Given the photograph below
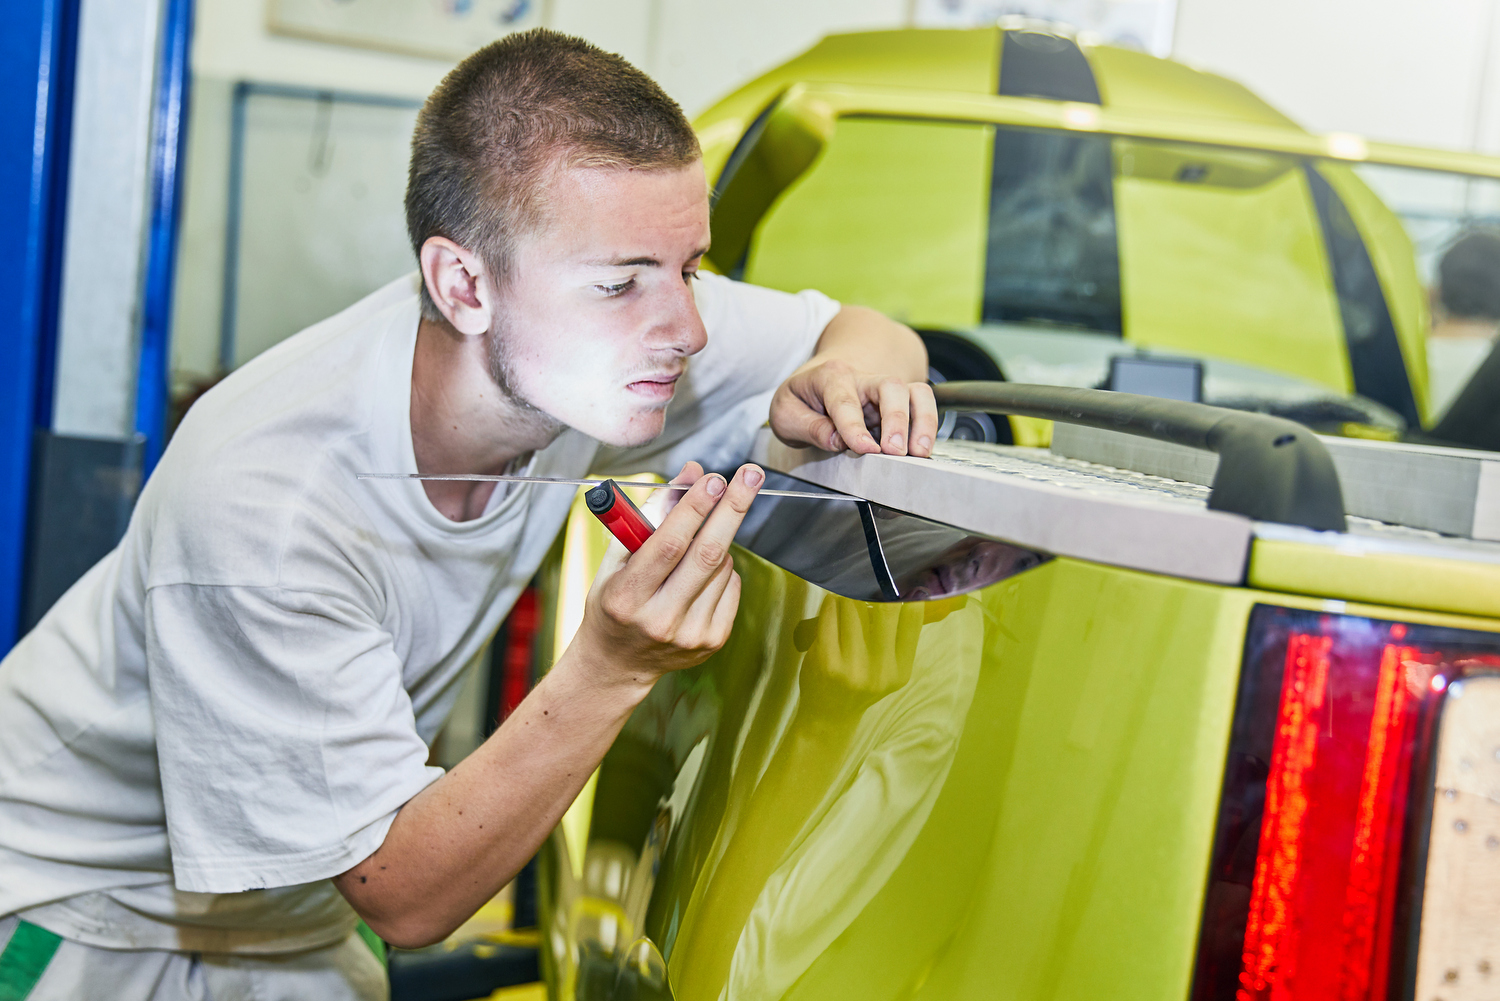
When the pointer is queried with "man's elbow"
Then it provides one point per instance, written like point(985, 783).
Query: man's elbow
point(403, 923)
point(407, 932)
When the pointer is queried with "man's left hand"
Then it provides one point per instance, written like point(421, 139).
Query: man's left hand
point(872, 405)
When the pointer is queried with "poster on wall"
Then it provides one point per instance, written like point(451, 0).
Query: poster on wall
point(1137, 24)
point(441, 29)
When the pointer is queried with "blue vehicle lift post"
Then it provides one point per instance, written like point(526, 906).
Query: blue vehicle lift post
point(37, 49)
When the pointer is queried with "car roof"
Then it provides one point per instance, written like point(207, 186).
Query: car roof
point(967, 61)
point(1140, 95)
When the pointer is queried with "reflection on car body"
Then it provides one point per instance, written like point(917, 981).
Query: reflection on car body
point(857, 720)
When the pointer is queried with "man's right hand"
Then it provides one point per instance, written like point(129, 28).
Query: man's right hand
point(672, 603)
point(668, 606)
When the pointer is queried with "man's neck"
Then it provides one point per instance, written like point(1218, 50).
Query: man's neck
point(461, 421)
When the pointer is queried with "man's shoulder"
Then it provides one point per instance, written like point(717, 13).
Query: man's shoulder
point(237, 516)
point(258, 462)
point(321, 380)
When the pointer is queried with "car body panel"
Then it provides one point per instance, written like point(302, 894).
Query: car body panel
point(1013, 791)
point(1006, 793)
point(1197, 263)
point(860, 195)
point(959, 60)
point(1136, 81)
point(1356, 569)
point(1030, 778)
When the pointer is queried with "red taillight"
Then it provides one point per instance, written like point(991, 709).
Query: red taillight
point(1334, 718)
point(515, 671)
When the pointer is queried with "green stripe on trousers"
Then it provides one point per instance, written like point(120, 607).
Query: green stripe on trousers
point(25, 959)
point(377, 946)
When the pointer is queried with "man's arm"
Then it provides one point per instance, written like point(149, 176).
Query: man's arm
point(669, 606)
point(867, 374)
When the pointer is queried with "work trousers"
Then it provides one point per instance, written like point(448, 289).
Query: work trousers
point(36, 965)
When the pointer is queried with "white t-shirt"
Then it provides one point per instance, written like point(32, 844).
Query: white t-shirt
point(230, 708)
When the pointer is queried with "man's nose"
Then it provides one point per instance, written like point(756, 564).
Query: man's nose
point(680, 329)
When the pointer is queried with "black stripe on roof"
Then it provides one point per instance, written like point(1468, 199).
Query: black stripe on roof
point(1041, 64)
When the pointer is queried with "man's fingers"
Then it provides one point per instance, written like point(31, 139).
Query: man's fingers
point(654, 562)
point(724, 611)
point(708, 551)
point(895, 415)
point(697, 624)
point(924, 420)
point(691, 473)
point(796, 423)
point(842, 400)
point(822, 433)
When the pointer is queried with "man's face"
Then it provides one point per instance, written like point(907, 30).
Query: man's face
point(597, 322)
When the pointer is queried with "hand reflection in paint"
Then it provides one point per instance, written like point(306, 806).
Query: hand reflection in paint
point(849, 785)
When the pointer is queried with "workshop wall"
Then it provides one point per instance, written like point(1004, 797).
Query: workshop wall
point(1370, 66)
point(1423, 74)
point(292, 269)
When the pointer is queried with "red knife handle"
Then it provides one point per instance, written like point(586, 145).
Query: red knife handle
point(624, 520)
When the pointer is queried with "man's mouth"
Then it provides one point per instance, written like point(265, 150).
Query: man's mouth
point(655, 387)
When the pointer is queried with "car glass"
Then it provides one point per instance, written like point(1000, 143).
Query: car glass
point(1223, 256)
point(1369, 332)
point(1051, 253)
point(1440, 271)
point(825, 543)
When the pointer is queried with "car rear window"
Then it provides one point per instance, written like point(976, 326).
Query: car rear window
point(1051, 252)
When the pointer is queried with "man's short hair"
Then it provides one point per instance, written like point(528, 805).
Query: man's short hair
point(1469, 275)
point(489, 137)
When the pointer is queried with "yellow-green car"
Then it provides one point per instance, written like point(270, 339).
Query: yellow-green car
point(1103, 720)
point(1115, 718)
point(1054, 204)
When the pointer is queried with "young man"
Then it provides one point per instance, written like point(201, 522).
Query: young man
point(213, 750)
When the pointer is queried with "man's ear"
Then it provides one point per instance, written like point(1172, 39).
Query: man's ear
point(457, 282)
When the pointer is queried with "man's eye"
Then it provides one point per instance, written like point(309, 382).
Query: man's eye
point(690, 276)
point(614, 290)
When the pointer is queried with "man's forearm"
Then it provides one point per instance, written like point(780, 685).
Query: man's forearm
point(666, 608)
point(463, 837)
point(870, 340)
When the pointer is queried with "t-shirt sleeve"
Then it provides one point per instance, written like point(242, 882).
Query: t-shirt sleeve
point(757, 337)
point(285, 739)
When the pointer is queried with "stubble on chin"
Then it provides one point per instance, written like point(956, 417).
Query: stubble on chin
point(502, 373)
